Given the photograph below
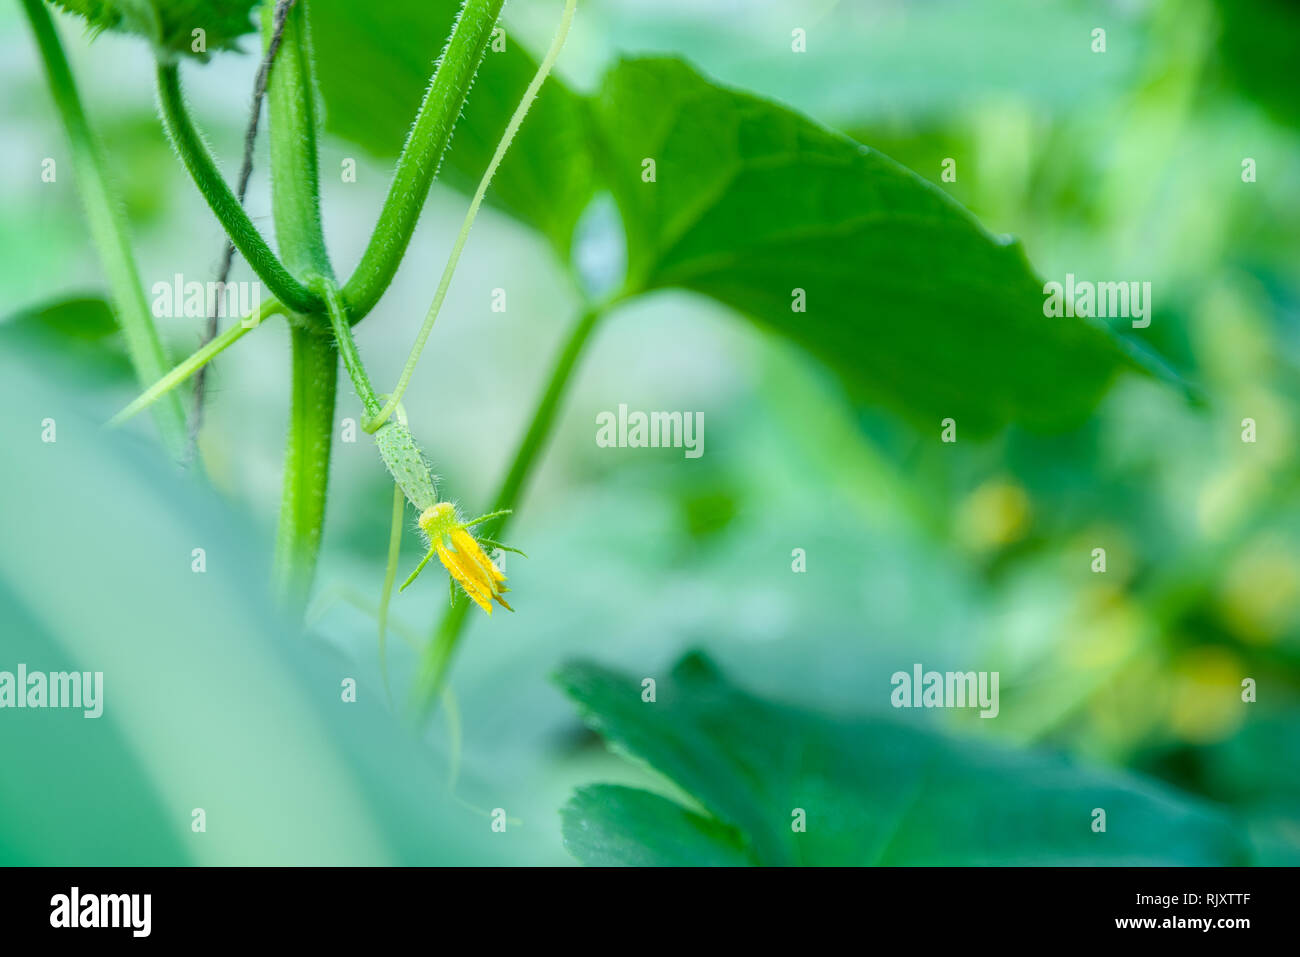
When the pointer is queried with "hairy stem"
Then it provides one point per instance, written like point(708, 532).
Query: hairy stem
point(421, 155)
point(295, 166)
point(108, 227)
point(512, 127)
point(433, 671)
point(194, 154)
point(295, 205)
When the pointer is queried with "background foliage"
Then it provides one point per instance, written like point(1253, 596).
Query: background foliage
point(1119, 690)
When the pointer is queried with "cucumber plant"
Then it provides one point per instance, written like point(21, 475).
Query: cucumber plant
point(817, 239)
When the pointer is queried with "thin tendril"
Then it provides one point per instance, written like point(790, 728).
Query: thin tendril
point(390, 575)
point(245, 173)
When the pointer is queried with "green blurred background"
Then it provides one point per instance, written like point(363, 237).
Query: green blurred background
point(1125, 164)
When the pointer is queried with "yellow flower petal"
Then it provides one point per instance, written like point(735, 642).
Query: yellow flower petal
point(464, 542)
point(469, 576)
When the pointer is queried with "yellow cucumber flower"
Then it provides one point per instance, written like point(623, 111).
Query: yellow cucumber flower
point(462, 555)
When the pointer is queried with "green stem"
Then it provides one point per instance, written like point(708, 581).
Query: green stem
point(347, 347)
point(196, 361)
point(295, 205)
point(194, 154)
point(295, 164)
point(438, 658)
point(516, 120)
point(539, 429)
point(422, 154)
point(108, 227)
point(306, 466)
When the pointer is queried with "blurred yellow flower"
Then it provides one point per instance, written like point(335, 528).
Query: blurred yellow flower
point(1106, 628)
point(994, 515)
point(1260, 592)
point(1205, 704)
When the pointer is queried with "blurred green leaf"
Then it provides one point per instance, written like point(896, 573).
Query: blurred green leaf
point(1260, 764)
point(170, 24)
point(1257, 770)
point(874, 791)
point(78, 334)
point(374, 66)
point(608, 825)
point(1257, 48)
point(80, 318)
point(211, 698)
point(52, 823)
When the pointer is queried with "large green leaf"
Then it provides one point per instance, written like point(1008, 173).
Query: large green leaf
point(374, 66)
point(907, 297)
point(909, 300)
point(874, 791)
